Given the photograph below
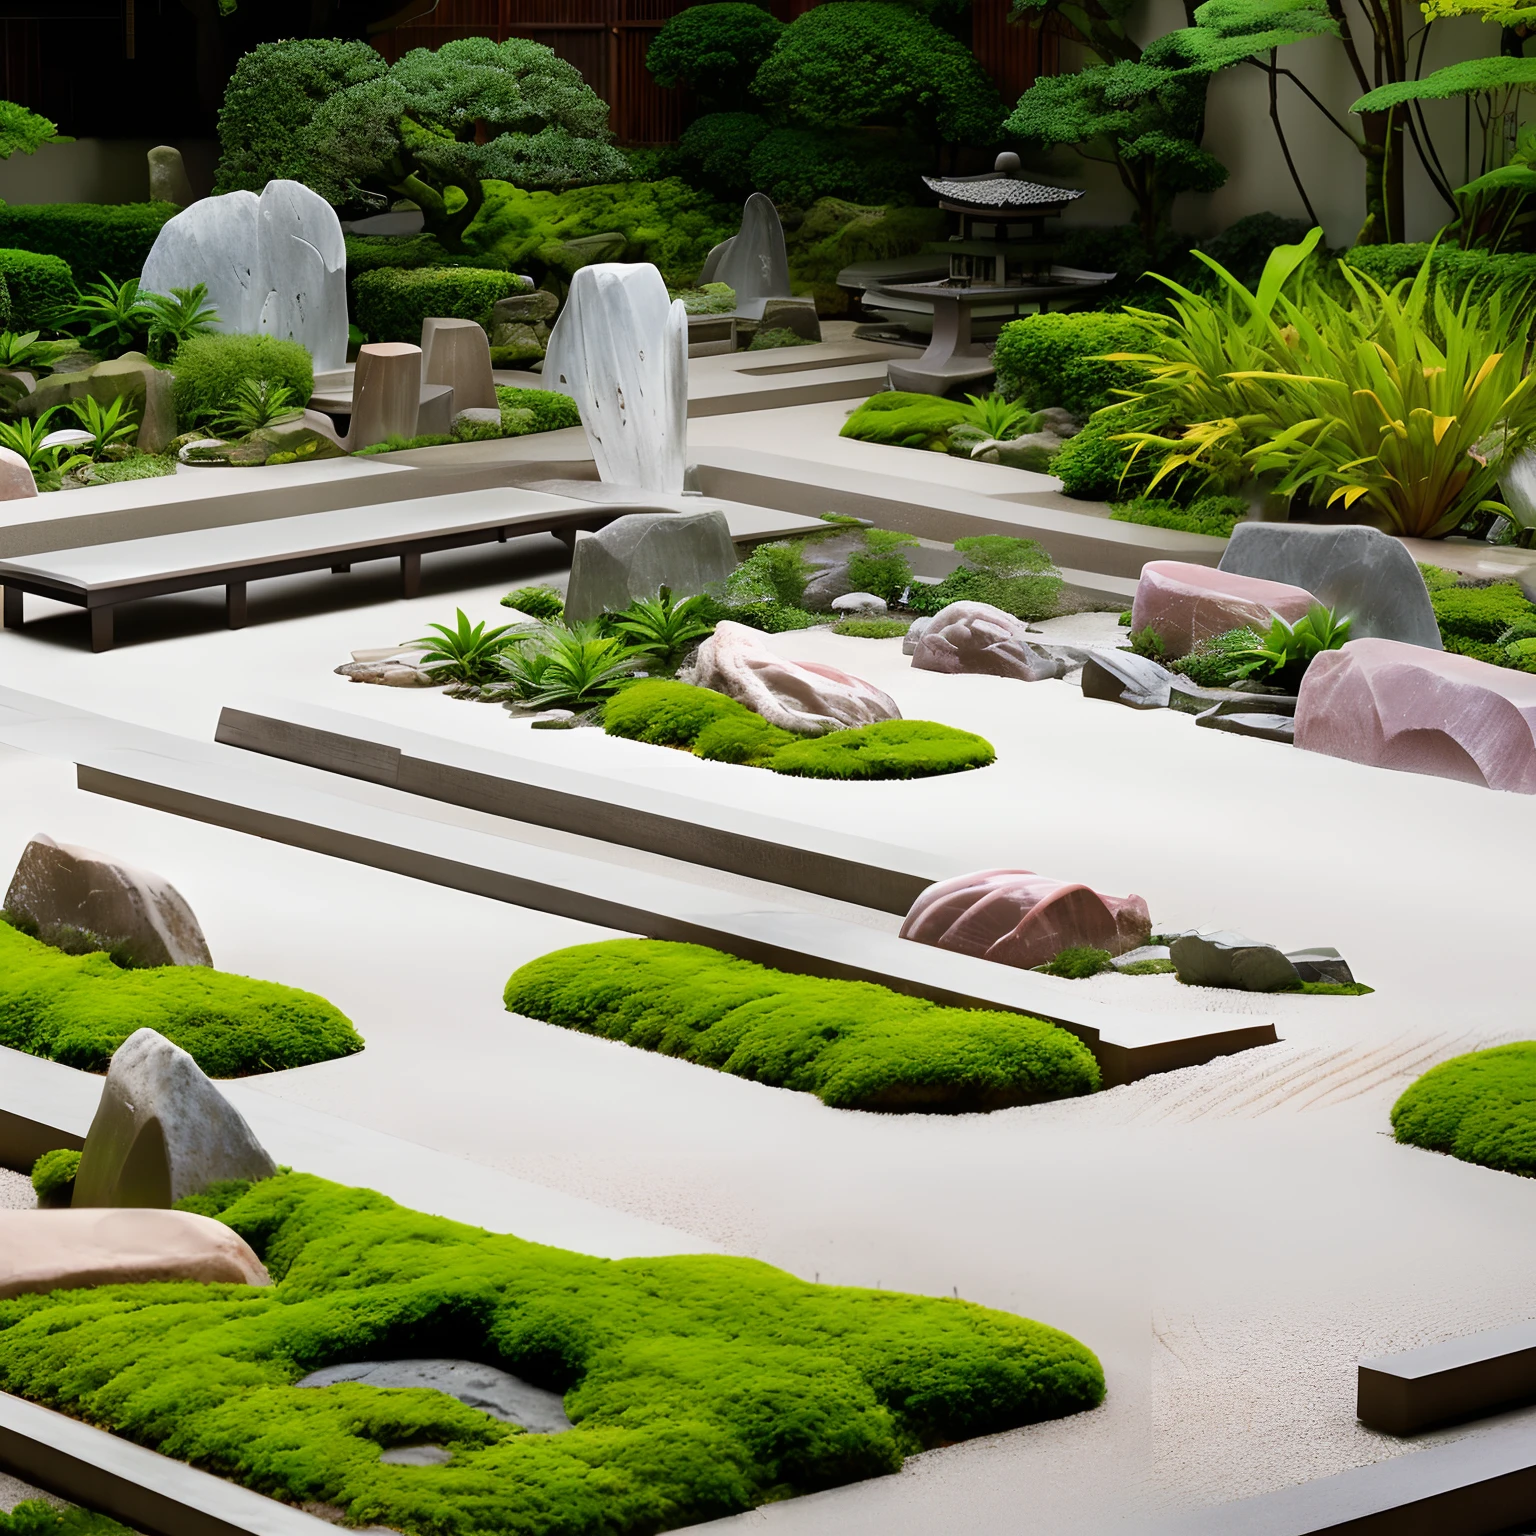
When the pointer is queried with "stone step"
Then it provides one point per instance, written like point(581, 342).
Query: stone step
point(1443, 1383)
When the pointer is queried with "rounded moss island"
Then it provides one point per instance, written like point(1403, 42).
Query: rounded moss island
point(1480, 1107)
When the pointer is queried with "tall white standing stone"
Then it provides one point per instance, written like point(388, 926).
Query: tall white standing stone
point(274, 264)
point(620, 350)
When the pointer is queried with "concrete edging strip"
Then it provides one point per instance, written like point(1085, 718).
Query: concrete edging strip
point(1442, 1383)
point(141, 1487)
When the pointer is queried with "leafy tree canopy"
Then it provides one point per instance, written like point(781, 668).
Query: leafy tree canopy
point(714, 50)
point(1228, 31)
point(1465, 79)
point(868, 61)
point(24, 133)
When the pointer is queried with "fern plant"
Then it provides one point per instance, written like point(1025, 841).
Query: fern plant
point(466, 653)
point(555, 667)
point(254, 404)
point(23, 350)
point(109, 424)
point(116, 314)
point(662, 630)
point(176, 317)
point(25, 437)
point(1284, 655)
point(996, 417)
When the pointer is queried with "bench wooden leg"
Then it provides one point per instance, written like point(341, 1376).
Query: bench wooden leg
point(12, 608)
point(410, 574)
point(567, 536)
point(101, 629)
point(234, 604)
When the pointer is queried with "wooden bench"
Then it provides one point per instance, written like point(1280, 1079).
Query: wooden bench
point(99, 577)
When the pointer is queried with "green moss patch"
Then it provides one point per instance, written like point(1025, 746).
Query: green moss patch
point(903, 420)
point(871, 629)
point(854, 1044)
point(53, 1176)
point(889, 749)
point(1480, 1107)
point(698, 1386)
point(36, 1517)
point(1213, 515)
point(79, 1009)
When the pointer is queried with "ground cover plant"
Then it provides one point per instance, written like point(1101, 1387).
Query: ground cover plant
point(1480, 1107)
point(211, 369)
point(1016, 575)
point(36, 1517)
point(1213, 515)
point(78, 1009)
point(854, 1044)
point(698, 1386)
point(871, 629)
point(1493, 623)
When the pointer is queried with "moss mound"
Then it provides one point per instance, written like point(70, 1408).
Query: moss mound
point(903, 420)
point(853, 1044)
point(889, 749)
point(79, 1009)
point(699, 1386)
point(35, 1517)
point(1480, 1107)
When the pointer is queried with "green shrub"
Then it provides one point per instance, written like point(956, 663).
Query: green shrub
point(1094, 467)
point(1213, 515)
point(552, 411)
point(53, 1176)
point(881, 567)
point(392, 302)
point(699, 1386)
point(210, 369)
point(1217, 660)
point(1054, 359)
point(714, 150)
point(1016, 575)
point(871, 629)
point(798, 166)
point(5, 306)
point(92, 239)
point(1479, 614)
point(39, 286)
point(1480, 1107)
point(1454, 269)
point(835, 234)
point(902, 420)
point(714, 50)
point(78, 1010)
point(36, 1517)
point(854, 1044)
point(1078, 963)
point(772, 573)
point(889, 749)
point(542, 603)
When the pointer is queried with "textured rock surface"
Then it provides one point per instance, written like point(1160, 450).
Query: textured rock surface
point(620, 350)
point(162, 1131)
point(386, 393)
point(828, 559)
point(1268, 726)
point(1020, 918)
point(132, 377)
point(1126, 678)
point(1184, 604)
point(858, 602)
point(275, 264)
point(493, 1391)
point(1420, 711)
point(44, 1251)
point(16, 479)
point(168, 180)
point(1358, 571)
point(1032, 451)
point(1222, 959)
point(806, 697)
point(753, 261)
point(525, 308)
point(798, 316)
point(1321, 964)
point(58, 885)
point(976, 637)
point(638, 555)
point(457, 353)
point(915, 632)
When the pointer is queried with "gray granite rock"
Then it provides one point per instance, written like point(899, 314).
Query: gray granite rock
point(62, 886)
point(1032, 451)
point(526, 308)
point(132, 377)
point(858, 602)
point(1191, 699)
point(978, 638)
point(493, 1391)
point(1222, 959)
point(753, 262)
point(1322, 964)
point(416, 1456)
point(828, 559)
point(477, 416)
point(798, 316)
point(1126, 678)
point(1353, 569)
point(1269, 727)
point(168, 180)
point(638, 555)
point(162, 1131)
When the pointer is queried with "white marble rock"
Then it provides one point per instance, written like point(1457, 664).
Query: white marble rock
point(620, 351)
point(753, 262)
point(274, 264)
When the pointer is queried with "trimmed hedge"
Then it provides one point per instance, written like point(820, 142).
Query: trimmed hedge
point(551, 410)
point(854, 1044)
point(209, 368)
point(391, 302)
point(1480, 1108)
point(1453, 268)
point(699, 1386)
point(79, 1009)
point(38, 285)
point(1213, 515)
point(666, 713)
point(1094, 467)
point(1054, 359)
point(90, 238)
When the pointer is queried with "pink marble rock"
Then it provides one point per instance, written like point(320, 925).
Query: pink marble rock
point(16, 479)
point(802, 696)
point(66, 1250)
point(1185, 604)
point(1402, 706)
point(1020, 918)
point(976, 637)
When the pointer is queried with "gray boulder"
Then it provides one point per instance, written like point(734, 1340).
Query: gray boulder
point(60, 887)
point(1123, 677)
point(915, 632)
point(1267, 727)
point(168, 181)
point(753, 262)
point(1221, 959)
point(162, 1131)
point(496, 1392)
point(976, 637)
point(865, 603)
point(798, 316)
point(1356, 570)
point(1322, 964)
point(525, 308)
point(638, 555)
point(1032, 451)
point(828, 559)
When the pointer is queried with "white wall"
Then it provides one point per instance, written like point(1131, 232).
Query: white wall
point(98, 171)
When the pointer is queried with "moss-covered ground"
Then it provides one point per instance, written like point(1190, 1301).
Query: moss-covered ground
point(1480, 1107)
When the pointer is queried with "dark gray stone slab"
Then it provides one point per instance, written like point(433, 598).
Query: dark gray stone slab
point(1221, 959)
point(1126, 678)
point(1443, 1383)
point(493, 1391)
point(637, 555)
point(1321, 964)
point(1267, 727)
point(1191, 699)
point(1354, 569)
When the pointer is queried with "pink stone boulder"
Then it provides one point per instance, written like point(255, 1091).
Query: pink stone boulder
point(67, 1250)
point(976, 637)
point(802, 696)
point(1020, 918)
point(1402, 706)
point(16, 479)
point(1185, 604)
